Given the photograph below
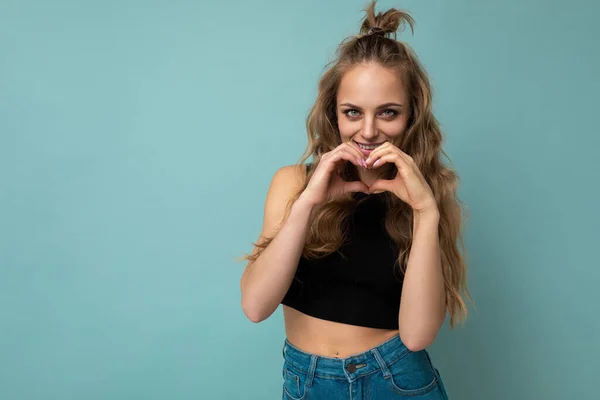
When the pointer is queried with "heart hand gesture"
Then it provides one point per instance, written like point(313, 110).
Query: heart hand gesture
point(409, 184)
point(326, 184)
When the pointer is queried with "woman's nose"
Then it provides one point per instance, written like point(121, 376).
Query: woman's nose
point(369, 129)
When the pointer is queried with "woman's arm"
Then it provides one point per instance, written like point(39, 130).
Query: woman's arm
point(265, 281)
point(423, 300)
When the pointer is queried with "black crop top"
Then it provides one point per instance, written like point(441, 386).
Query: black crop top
point(364, 288)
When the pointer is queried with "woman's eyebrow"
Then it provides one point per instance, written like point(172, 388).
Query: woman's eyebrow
point(379, 107)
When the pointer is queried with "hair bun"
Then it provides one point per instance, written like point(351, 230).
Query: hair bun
point(376, 31)
point(384, 24)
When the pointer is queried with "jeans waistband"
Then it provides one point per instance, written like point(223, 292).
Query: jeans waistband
point(351, 367)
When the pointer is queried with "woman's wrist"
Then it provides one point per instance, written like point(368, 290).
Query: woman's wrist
point(305, 204)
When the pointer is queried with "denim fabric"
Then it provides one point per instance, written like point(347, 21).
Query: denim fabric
point(387, 371)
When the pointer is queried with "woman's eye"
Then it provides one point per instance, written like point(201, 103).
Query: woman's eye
point(386, 113)
point(389, 113)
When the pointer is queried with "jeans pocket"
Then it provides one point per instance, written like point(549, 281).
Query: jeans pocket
point(412, 375)
point(294, 383)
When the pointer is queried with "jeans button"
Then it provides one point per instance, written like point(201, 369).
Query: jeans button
point(351, 368)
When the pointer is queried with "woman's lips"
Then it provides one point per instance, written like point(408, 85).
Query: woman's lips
point(364, 151)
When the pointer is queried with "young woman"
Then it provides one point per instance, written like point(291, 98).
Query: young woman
point(360, 246)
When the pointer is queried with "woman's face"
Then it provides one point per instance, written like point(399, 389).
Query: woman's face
point(372, 105)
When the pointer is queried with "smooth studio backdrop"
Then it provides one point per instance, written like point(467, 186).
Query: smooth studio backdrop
point(137, 143)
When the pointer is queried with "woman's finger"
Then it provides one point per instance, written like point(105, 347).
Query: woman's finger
point(356, 149)
point(335, 156)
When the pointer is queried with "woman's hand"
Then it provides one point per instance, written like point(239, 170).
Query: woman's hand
point(408, 185)
point(326, 184)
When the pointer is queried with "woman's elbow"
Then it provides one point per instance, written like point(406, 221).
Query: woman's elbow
point(253, 313)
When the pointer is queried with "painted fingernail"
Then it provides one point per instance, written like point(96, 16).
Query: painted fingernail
point(376, 162)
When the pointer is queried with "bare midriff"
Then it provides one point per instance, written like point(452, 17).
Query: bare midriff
point(328, 338)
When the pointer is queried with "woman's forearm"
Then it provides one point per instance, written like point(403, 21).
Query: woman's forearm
point(268, 278)
point(422, 304)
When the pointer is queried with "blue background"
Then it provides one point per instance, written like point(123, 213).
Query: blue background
point(137, 143)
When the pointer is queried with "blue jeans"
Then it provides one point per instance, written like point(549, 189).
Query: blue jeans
point(387, 371)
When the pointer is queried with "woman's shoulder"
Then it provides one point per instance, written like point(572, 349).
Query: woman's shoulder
point(295, 172)
point(286, 182)
point(288, 179)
